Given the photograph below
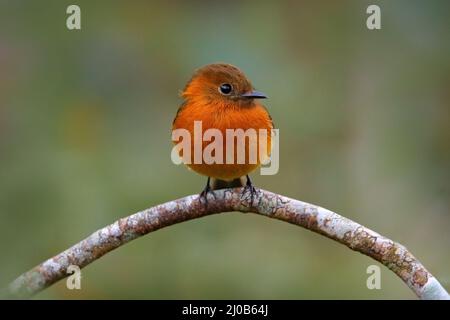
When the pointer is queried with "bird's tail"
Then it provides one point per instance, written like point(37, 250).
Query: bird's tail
point(222, 184)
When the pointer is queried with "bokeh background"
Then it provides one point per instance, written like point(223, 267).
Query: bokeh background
point(85, 120)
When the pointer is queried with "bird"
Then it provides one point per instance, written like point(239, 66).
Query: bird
point(222, 97)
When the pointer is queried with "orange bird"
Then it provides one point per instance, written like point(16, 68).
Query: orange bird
point(221, 97)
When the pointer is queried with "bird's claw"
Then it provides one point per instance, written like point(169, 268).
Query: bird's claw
point(251, 189)
point(204, 194)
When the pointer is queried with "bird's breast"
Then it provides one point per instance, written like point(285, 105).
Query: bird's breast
point(198, 120)
point(223, 117)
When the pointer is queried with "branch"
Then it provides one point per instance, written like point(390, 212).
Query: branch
point(317, 219)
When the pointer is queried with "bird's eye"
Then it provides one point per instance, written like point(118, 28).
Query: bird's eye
point(225, 88)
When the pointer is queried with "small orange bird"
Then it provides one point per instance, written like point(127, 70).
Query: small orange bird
point(221, 97)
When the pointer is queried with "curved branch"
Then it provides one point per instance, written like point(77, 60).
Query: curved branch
point(317, 219)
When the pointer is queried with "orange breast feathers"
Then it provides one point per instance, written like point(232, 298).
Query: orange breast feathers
point(223, 115)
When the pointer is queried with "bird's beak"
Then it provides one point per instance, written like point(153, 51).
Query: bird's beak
point(254, 95)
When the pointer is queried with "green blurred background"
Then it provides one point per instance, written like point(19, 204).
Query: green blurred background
point(85, 119)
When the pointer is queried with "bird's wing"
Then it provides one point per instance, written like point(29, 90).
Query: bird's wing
point(182, 106)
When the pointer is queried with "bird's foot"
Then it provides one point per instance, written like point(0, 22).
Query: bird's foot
point(204, 193)
point(249, 188)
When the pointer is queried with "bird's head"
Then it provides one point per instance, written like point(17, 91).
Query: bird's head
point(222, 83)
